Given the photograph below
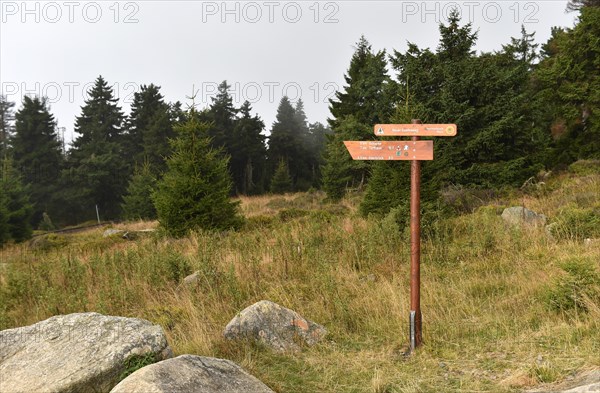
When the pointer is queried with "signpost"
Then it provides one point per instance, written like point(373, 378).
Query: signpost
point(414, 151)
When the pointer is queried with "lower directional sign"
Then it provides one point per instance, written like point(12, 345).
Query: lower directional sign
point(390, 150)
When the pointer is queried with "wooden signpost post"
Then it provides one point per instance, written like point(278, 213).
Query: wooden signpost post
point(414, 151)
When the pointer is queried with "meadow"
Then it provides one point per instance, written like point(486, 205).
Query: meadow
point(505, 308)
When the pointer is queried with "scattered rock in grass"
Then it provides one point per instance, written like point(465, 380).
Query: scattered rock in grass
point(275, 326)
point(134, 235)
point(590, 243)
point(520, 215)
point(191, 374)
point(85, 352)
point(112, 232)
point(191, 280)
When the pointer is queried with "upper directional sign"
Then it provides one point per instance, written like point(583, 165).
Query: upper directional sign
point(390, 150)
point(415, 129)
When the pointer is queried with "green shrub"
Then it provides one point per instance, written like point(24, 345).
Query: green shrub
point(259, 222)
point(576, 223)
point(290, 214)
point(579, 284)
point(465, 200)
point(135, 362)
point(47, 242)
point(433, 217)
point(321, 215)
point(585, 167)
point(178, 267)
point(167, 317)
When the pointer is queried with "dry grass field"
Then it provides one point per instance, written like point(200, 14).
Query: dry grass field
point(504, 308)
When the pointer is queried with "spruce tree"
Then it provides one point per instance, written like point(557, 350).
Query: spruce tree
point(315, 145)
point(16, 199)
point(289, 142)
point(4, 230)
point(222, 113)
point(368, 92)
point(366, 99)
point(337, 170)
point(565, 86)
point(248, 147)
point(156, 139)
point(6, 125)
point(37, 154)
point(98, 167)
point(281, 182)
point(137, 203)
point(149, 126)
point(194, 192)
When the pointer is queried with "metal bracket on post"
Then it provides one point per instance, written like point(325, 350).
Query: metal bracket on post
point(413, 333)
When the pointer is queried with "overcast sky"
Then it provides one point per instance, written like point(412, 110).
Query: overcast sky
point(264, 49)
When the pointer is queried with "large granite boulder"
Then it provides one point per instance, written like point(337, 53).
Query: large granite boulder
point(517, 215)
point(191, 374)
point(80, 353)
point(275, 326)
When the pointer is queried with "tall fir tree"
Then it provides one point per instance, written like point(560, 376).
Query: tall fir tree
point(98, 167)
point(149, 127)
point(37, 154)
point(137, 202)
point(485, 95)
point(368, 92)
point(7, 118)
point(565, 90)
point(315, 145)
point(222, 113)
point(288, 142)
point(4, 230)
point(194, 193)
point(366, 99)
point(248, 160)
point(17, 206)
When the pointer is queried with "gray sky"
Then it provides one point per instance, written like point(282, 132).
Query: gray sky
point(265, 49)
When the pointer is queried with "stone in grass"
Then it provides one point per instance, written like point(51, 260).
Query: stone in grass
point(520, 215)
point(275, 326)
point(112, 232)
point(191, 280)
point(85, 352)
point(191, 374)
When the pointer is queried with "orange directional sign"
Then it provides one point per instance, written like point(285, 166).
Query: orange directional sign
point(390, 150)
point(415, 129)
